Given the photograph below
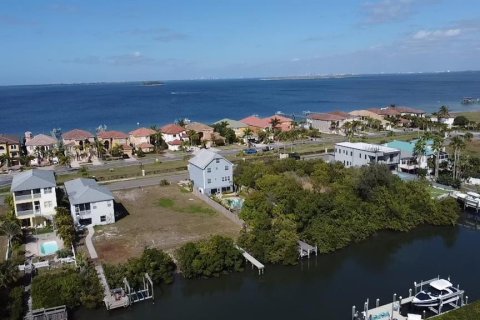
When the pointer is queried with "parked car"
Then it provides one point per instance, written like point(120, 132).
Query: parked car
point(294, 155)
point(250, 151)
point(267, 148)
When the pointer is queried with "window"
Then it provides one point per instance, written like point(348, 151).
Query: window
point(103, 218)
point(351, 153)
point(360, 155)
point(365, 157)
point(228, 178)
point(226, 167)
point(109, 204)
point(47, 190)
point(223, 178)
point(209, 180)
point(217, 160)
point(94, 206)
point(47, 204)
point(209, 169)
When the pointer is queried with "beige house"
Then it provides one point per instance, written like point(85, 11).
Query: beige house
point(327, 122)
point(142, 138)
point(173, 135)
point(10, 146)
point(205, 132)
point(365, 115)
point(76, 142)
point(112, 138)
point(237, 126)
point(40, 146)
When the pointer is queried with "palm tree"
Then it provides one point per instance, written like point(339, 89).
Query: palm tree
point(11, 229)
point(193, 136)
point(247, 133)
point(437, 147)
point(443, 113)
point(347, 129)
point(420, 149)
point(274, 123)
point(157, 138)
point(457, 143)
point(8, 274)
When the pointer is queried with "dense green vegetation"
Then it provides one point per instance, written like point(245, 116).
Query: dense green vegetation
point(68, 286)
point(64, 225)
point(328, 205)
point(209, 258)
point(469, 312)
point(156, 263)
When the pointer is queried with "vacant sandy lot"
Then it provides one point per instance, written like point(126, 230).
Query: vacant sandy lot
point(160, 216)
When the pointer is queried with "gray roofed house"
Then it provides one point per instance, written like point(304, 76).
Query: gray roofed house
point(234, 124)
point(83, 190)
point(211, 172)
point(90, 204)
point(33, 179)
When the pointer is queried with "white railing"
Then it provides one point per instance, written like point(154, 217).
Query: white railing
point(23, 197)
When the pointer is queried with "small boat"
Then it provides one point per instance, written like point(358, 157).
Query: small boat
point(433, 294)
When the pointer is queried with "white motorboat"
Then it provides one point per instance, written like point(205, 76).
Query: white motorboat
point(437, 291)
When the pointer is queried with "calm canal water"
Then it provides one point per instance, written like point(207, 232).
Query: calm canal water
point(325, 287)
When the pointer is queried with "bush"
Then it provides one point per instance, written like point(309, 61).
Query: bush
point(447, 180)
point(68, 287)
point(164, 182)
point(460, 121)
point(209, 258)
point(63, 253)
point(156, 263)
point(16, 305)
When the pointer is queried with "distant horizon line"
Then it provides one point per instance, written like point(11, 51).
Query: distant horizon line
point(290, 77)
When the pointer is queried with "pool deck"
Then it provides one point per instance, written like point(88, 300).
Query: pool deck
point(34, 242)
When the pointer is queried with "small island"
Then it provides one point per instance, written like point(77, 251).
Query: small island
point(152, 83)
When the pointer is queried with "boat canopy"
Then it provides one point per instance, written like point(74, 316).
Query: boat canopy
point(473, 194)
point(412, 316)
point(440, 284)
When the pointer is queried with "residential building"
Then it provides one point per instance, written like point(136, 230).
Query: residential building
point(174, 135)
point(10, 148)
point(34, 197)
point(255, 123)
point(407, 111)
point(90, 203)
point(113, 138)
point(141, 138)
point(368, 117)
point(327, 122)
point(410, 162)
point(355, 154)
point(447, 120)
point(285, 123)
point(237, 126)
point(77, 142)
point(210, 172)
point(40, 146)
point(205, 132)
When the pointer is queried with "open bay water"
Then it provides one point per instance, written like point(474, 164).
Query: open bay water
point(121, 106)
point(324, 287)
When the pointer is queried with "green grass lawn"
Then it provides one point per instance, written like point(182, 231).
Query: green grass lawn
point(469, 312)
point(437, 192)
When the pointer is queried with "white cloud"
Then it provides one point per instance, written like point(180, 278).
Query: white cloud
point(385, 11)
point(430, 35)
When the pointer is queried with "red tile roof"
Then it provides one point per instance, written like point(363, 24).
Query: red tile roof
point(112, 135)
point(325, 117)
point(256, 122)
point(385, 112)
point(341, 114)
point(172, 129)
point(77, 134)
point(403, 109)
point(145, 145)
point(198, 127)
point(127, 147)
point(279, 117)
point(10, 139)
point(41, 140)
point(175, 142)
point(142, 132)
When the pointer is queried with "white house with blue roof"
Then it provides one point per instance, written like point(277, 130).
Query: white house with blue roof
point(34, 197)
point(90, 203)
point(409, 161)
point(210, 172)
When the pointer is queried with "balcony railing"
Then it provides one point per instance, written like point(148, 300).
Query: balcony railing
point(23, 197)
point(22, 213)
point(83, 213)
point(37, 195)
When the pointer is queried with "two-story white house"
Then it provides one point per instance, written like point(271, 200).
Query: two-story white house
point(90, 204)
point(174, 135)
point(357, 154)
point(210, 172)
point(34, 197)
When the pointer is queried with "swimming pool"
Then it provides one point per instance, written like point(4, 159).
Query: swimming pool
point(49, 247)
point(235, 202)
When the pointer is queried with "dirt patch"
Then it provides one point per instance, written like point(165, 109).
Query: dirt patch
point(159, 216)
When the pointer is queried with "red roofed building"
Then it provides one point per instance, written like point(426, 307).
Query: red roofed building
point(141, 138)
point(285, 124)
point(111, 138)
point(10, 146)
point(77, 137)
point(173, 135)
point(255, 123)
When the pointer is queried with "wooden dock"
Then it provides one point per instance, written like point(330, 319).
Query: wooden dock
point(304, 249)
point(469, 199)
point(124, 297)
point(248, 257)
point(56, 313)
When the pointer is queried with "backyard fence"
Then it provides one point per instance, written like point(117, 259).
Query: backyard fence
point(230, 215)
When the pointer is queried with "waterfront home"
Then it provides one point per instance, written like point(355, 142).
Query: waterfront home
point(255, 123)
point(448, 121)
point(10, 148)
point(40, 146)
point(409, 162)
point(174, 135)
point(327, 122)
point(112, 138)
point(368, 118)
point(34, 197)
point(141, 138)
point(77, 142)
point(284, 123)
point(357, 154)
point(90, 203)
point(210, 172)
point(204, 132)
point(407, 111)
point(237, 126)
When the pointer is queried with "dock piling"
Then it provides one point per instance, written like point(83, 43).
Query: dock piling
point(377, 303)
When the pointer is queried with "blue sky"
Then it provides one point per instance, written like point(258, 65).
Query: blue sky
point(91, 41)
